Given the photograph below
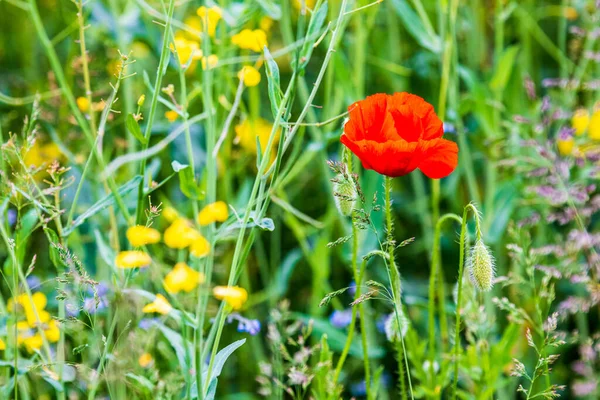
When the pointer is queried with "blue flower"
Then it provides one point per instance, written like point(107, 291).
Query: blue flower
point(341, 319)
point(251, 326)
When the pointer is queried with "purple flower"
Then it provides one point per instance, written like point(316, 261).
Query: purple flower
point(146, 323)
point(12, 216)
point(251, 326)
point(34, 282)
point(341, 319)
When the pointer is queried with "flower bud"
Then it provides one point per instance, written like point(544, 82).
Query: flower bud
point(393, 332)
point(480, 265)
point(344, 192)
point(141, 100)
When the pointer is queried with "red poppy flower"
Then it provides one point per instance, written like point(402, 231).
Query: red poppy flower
point(396, 134)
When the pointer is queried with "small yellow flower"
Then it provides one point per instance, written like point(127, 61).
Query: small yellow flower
point(570, 13)
point(83, 103)
point(182, 278)
point(180, 234)
point(186, 50)
point(2, 344)
point(309, 4)
point(145, 360)
point(565, 146)
point(99, 106)
point(170, 214)
point(140, 235)
point(265, 23)
point(594, 128)
point(33, 342)
point(52, 332)
point(212, 61)
point(200, 247)
point(250, 75)
point(212, 213)
point(42, 154)
point(33, 308)
point(580, 121)
point(160, 305)
point(171, 115)
point(247, 131)
point(212, 15)
point(249, 39)
point(132, 259)
point(235, 296)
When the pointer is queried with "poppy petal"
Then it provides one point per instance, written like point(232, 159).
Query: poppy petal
point(396, 158)
point(440, 158)
point(433, 127)
point(369, 119)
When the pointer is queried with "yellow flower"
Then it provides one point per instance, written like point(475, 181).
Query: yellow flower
point(186, 50)
point(212, 60)
point(182, 277)
point(52, 332)
point(83, 103)
point(570, 13)
point(249, 39)
point(160, 305)
point(140, 235)
point(33, 308)
point(250, 75)
point(247, 131)
point(145, 360)
point(42, 154)
point(265, 23)
point(2, 344)
point(194, 23)
point(212, 15)
point(200, 247)
point(132, 259)
point(171, 115)
point(565, 146)
point(170, 214)
point(32, 343)
point(580, 121)
point(309, 4)
point(180, 234)
point(212, 213)
point(235, 296)
point(594, 128)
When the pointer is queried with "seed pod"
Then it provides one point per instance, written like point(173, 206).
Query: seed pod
point(345, 194)
point(393, 332)
point(480, 265)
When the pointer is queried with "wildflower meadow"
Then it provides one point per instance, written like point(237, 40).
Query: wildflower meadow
point(299, 199)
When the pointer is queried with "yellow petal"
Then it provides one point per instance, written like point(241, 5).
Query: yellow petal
point(580, 121)
point(212, 213)
point(160, 305)
point(145, 360)
point(250, 75)
point(132, 259)
point(140, 235)
point(235, 296)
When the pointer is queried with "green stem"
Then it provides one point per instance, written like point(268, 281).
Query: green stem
point(463, 243)
point(435, 261)
point(164, 54)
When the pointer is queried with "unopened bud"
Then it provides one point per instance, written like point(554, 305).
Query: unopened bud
point(344, 193)
point(394, 331)
point(141, 100)
point(480, 265)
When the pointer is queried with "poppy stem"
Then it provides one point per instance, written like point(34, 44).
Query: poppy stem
point(394, 275)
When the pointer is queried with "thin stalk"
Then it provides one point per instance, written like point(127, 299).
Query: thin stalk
point(463, 243)
point(164, 54)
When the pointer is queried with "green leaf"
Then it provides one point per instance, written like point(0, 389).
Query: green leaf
point(134, 128)
point(187, 183)
point(415, 27)
point(181, 346)
point(103, 203)
point(219, 362)
point(140, 383)
point(504, 68)
point(274, 82)
point(312, 34)
point(272, 9)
